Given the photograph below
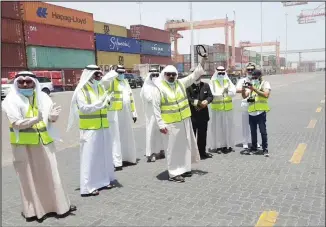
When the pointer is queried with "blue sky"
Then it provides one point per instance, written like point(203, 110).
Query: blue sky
point(300, 36)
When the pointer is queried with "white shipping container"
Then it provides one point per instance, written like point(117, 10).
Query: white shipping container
point(265, 58)
point(186, 58)
point(246, 53)
point(252, 54)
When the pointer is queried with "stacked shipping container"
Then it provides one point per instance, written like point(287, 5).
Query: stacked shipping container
point(13, 54)
point(155, 44)
point(113, 47)
point(60, 40)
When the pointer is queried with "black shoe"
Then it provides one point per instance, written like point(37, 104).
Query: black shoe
point(162, 154)
point(251, 151)
point(151, 158)
point(205, 156)
point(178, 179)
point(231, 149)
point(265, 152)
point(224, 150)
point(187, 174)
point(118, 168)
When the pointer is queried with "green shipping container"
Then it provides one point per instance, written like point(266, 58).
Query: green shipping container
point(58, 58)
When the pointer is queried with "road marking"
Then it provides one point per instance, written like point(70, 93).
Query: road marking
point(267, 218)
point(322, 101)
point(312, 123)
point(318, 110)
point(298, 153)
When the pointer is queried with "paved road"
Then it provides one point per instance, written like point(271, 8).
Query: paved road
point(228, 190)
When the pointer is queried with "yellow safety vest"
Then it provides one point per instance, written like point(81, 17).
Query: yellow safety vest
point(260, 104)
point(224, 104)
point(117, 100)
point(31, 136)
point(174, 103)
point(97, 119)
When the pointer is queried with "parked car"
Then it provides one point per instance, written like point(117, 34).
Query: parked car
point(45, 84)
point(139, 80)
point(131, 80)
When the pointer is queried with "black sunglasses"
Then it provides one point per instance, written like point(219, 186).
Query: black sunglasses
point(221, 73)
point(155, 75)
point(28, 82)
point(171, 74)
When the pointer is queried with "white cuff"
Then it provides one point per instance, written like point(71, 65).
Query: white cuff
point(195, 102)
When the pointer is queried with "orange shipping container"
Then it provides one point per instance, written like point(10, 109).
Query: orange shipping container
point(45, 13)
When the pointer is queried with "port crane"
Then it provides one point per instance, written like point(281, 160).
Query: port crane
point(309, 16)
point(174, 26)
point(276, 44)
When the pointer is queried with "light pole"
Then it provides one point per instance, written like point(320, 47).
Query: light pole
point(139, 3)
point(286, 39)
point(192, 37)
point(261, 36)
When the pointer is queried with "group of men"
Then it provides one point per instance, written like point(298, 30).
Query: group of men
point(103, 108)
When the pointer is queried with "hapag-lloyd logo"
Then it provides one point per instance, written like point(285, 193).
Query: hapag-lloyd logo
point(115, 43)
point(69, 19)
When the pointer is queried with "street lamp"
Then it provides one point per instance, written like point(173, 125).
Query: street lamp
point(192, 51)
point(139, 3)
point(261, 36)
point(286, 39)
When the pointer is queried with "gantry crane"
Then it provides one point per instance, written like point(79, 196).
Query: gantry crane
point(181, 25)
point(276, 44)
point(288, 3)
point(310, 15)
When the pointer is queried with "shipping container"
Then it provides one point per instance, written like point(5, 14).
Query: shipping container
point(52, 36)
point(252, 59)
point(109, 29)
point(113, 58)
point(178, 59)
point(282, 61)
point(245, 59)
point(265, 58)
point(179, 67)
point(148, 59)
point(154, 48)
point(265, 63)
point(211, 49)
point(219, 48)
point(219, 57)
point(210, 57)
point(186, 67)
point(186, 58)
point(10, 10)
point(252, 53)
point(44, 13)
point(58, 58)
point(129, 33)
point(111, 43)
point(13, 55)
point(5, 71)
point(11, 31)
point(220, 63)
point(246, 53)
point(71, 77)
point(271, 57)
point(142, 32)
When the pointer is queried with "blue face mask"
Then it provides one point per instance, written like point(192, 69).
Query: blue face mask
point(96, 82)
point(255, 82)
point(121, 76)
point(26, 92)
point(171, 83)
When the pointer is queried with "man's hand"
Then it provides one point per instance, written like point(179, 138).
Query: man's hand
point(54, 114)
point(204, 59)
point(203, 104)
point(164, 130)
point(226, 90)
point(135, 119)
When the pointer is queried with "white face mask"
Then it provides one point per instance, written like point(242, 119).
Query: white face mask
point(154, 79)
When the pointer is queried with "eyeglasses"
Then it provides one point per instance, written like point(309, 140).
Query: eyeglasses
point(221, 73)
point(250, 70)
point(171, 74)
point(22, 82)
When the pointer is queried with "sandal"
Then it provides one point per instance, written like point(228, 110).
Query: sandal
point(178, 179)
point(93, 193)
point(187, 174)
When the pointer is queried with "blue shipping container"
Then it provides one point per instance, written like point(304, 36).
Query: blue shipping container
point(180, 68)
point(154, 48)
point(110, 43)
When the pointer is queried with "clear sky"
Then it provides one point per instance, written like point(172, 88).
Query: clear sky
point(300, 36)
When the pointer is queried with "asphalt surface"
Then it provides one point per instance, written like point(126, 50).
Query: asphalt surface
point(227, 190)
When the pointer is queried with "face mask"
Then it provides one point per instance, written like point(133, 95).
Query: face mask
point(26, 92)
point(154, 79)
point(96, 82)
point(256, 81)
point(249, 76)
point(171, 83)
point(121, 77)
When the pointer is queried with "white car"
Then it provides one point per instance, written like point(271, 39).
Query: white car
point(45, 83)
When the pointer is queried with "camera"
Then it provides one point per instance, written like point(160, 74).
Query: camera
point(251, 99)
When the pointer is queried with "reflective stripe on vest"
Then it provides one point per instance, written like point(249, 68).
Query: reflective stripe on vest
point(260, 104)
point(117, 100)
point(97, 119)
point(174, 103)
point(31, 136)
point(225, 103)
